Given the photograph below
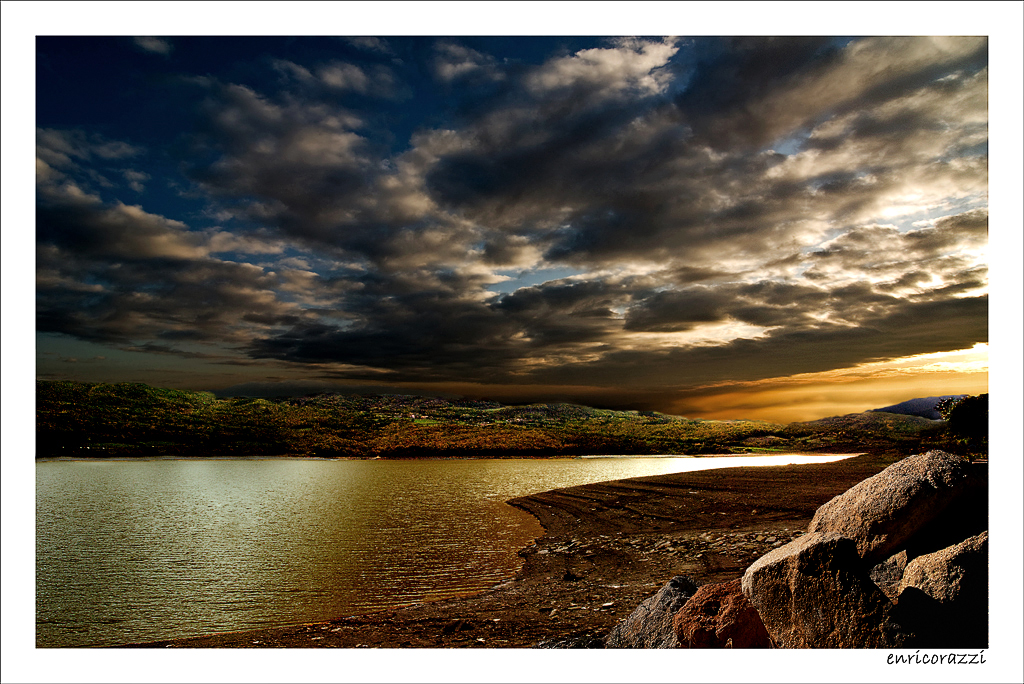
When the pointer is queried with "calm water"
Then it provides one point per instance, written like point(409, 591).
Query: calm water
point(130, 551)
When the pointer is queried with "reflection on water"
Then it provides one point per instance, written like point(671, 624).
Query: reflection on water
point(131, 551)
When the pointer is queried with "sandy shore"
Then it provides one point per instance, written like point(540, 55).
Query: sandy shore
point(607, 547)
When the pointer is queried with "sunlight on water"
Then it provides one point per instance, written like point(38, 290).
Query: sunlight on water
point(130, 551)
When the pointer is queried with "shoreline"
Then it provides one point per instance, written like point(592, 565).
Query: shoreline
point(605, 548)
point(302, 457)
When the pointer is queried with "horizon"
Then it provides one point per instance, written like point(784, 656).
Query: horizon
point(273, 392)
point(760, 228)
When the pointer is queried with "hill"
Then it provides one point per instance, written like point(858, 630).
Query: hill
point(870, 427)
point(922, 406)
point(130, 419)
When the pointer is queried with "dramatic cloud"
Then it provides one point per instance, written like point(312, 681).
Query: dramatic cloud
point(645, 216)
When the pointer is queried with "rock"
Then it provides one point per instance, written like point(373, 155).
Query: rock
point(572, 642)
point(456, 626)
point(944, 595)
point(815, 592)
point(650, 625)
point(888, 573)
point(883, 512)
point(948, 574)
point(719, 616)
point(965, 517)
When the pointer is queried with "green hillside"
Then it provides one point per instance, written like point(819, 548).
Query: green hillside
point(127, 419)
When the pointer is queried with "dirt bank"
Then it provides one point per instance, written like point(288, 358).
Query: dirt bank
point(607, 547)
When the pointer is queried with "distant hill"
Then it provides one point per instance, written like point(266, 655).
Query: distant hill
point(97, 420)
point(923, 406)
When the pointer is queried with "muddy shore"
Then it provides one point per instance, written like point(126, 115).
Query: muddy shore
point(607, 547)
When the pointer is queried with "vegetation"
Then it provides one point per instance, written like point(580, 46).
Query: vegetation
point(967, 423)
point(99, 420)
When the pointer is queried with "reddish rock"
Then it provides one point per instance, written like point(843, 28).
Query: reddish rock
point(720, 616)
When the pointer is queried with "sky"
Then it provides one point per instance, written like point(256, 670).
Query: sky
point(780, 228)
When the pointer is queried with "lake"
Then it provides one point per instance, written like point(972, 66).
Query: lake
point(141, 550)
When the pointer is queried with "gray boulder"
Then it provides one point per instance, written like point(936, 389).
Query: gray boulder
point(650, 625)
point(944, 595)
point(815, 592)
point(882, 513)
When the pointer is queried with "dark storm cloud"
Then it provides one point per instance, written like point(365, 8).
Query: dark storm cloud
point(905, 329)
point(611, 179)
point(734, 97)
point(102, 297)
point(112, 272)
point(807, 324)
point(306, 169)
point(766, 304)
point(564, 312)
point(303, 164)
point(582, 169)
point(720, 103)
point(679, 310)
point(731, 209)
point(434, 332)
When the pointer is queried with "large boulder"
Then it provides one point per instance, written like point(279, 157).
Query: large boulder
point(882, 513)
point(650, 625)
point(815, 592)
point(719, 616)
point(944, 595)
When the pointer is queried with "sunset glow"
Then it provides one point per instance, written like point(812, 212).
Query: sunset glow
point(867, 386)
